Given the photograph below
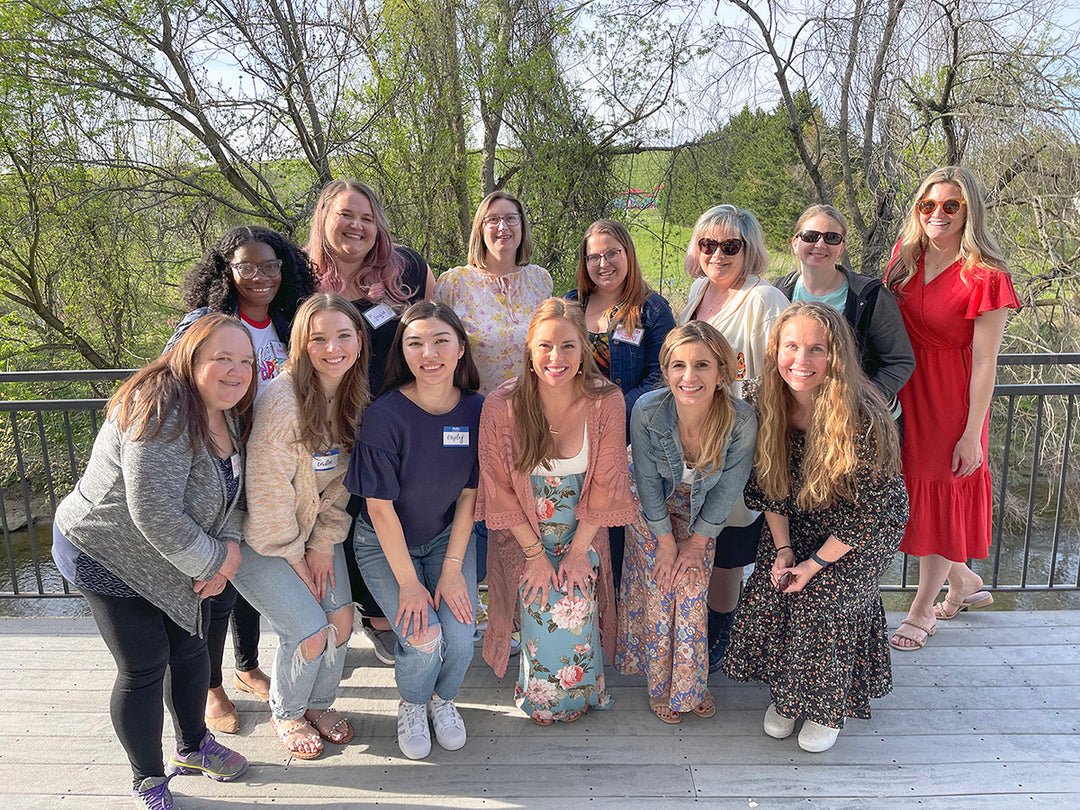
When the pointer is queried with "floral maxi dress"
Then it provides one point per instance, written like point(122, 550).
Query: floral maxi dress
point(562, 667)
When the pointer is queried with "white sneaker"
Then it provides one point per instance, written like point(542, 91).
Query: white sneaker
point(816, 738)
point(776, 725)
point(449, 727)
point(413, 735)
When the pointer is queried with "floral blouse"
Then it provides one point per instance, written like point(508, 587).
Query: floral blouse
point(496, 312)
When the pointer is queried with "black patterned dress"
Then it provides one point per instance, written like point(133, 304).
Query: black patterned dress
point(824, 651)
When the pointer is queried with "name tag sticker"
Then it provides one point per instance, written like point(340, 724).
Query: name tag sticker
point(455, 436)
point(234, 459)
point(378, 315)
point(323, 463)
point(633, 338)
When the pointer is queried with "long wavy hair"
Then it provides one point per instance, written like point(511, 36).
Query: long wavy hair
point(627, 310)
point(846, 405)
point(166, 385)
point(381, 271)
point(721, 416)
point(478, 247)
point(978, 248)
point(324, 425)
point(745, 225)
point(398, 373)
point(530, 424)
point(210, 283)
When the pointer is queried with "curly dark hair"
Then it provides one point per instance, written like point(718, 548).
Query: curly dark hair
point(210, 282)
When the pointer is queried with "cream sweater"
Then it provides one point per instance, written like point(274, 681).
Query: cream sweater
point(290, 508)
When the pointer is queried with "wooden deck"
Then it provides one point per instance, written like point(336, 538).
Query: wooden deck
point(987, 716)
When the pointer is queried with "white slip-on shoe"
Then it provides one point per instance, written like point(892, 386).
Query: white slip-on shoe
point(815, 738)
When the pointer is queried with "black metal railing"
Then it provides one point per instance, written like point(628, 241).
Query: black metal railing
point(45, 443)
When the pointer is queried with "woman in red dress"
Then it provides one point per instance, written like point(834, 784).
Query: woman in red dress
point(954, 292)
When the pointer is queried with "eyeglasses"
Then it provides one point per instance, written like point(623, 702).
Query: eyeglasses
point(593, 260)
point(269, 269)
point(950, 207)
point(830, 237)
point(511, 220)
point(729, 247)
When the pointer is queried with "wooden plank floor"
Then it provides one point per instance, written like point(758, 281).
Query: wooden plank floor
point(987, 716)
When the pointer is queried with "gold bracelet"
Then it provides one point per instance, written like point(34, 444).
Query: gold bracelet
point(535, 556)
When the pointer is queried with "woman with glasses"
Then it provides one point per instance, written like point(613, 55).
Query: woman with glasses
point(864, 302)
point(949, 278)
point(354, 255)
point(261, 277)
point(727, 257)
point(497, 292)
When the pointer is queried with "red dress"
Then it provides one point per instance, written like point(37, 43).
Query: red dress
point(950, 516)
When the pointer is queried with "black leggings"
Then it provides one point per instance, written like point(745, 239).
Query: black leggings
point(155, 658)
point(245, 627)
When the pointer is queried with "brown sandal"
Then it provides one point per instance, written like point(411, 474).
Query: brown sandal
point(667, 715)
point(707, 707)
point(948, 609)
point(250, 688)
point(916, 644)
point(328, 727)
point(285, 728)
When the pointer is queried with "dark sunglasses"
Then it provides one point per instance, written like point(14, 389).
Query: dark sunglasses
point(950, 207)
point(830, 237)
point(729, 247)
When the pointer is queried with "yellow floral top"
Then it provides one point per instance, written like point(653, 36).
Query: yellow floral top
point(496, 312)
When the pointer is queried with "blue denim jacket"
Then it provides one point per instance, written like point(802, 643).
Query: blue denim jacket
point(658, 465)
point(636, 369)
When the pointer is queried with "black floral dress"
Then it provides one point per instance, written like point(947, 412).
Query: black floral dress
point(824, 651)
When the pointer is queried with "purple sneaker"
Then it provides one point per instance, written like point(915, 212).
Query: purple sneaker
point(153, 794)
point(213, 759)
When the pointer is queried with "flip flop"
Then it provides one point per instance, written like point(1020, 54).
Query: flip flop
point(948, 609)
point(918, 645)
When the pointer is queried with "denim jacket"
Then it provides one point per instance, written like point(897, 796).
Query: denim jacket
point(658, 465)
point(636, 369)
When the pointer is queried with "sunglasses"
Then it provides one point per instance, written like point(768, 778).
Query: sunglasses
point(729, 247)
point(950, 207)
point(830, 237)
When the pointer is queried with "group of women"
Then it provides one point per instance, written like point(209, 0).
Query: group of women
point(411, 438)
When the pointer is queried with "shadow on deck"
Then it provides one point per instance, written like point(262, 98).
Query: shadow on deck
point(986, 716)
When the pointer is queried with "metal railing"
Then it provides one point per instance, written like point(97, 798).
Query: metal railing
point(45, 443)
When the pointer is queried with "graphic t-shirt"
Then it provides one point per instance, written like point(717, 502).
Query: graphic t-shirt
point(270, 351)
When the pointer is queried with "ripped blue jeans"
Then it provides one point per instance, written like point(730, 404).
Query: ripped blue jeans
point(272, 586)
point(419, 673)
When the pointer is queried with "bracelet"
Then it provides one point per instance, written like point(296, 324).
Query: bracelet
point(535, 556)
point(537, 544)
point(781, 548)
point(819, 561)
point(455, 559)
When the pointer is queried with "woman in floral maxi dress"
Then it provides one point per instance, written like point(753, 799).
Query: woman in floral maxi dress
point(693, 443)
point(827, 476)
point(553, 472)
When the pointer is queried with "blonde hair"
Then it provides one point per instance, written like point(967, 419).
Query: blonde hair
point(742, 223)
point(846, 405)
point(324, 425)
point(627, 310)
point(721, 416)
point(167, 384)
point(530, 425)
point(382, 268)
point(478, 247)
point(821, 210)
point(977, 247)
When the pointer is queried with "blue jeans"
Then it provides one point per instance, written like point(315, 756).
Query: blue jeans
point(274, 589)
point(419, 674)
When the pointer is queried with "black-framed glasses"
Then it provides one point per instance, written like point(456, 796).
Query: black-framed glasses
point(729, 247)
point(512, 220)
point(831, 237)
point(593, 259)
point(950, 207)
point(270, 268)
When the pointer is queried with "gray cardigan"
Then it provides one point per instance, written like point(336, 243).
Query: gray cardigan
point(155, 514)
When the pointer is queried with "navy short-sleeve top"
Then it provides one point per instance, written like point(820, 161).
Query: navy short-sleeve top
point(418, 460)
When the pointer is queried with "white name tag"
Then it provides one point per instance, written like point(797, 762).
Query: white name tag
point(234, 459)
point(455, 436)
point(633, 338)
point(378, 315)
point(323, 463)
